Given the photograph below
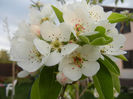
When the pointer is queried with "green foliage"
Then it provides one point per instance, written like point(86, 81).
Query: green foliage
point(4, 57)
point(103, 83)
point(100, 38)
point(122, 57)
point(88, 95)
point(110, 65)
point(84, 39)
point(116, 1)
point(35, 93)
point(116, 82)
point(58, 13)
point(21, 91)
point(70, 90)
point(48, 86)
point(117, 17)
point(72, 37)
point(87, 1)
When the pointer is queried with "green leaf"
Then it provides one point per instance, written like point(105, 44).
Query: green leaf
point(101, 41)
point(58, 13)
point(116, 82)
point(49, 87)
point(122, 1)
point(35, 94)
point(116, 1)
point(100, 1)
point(100, 38)
point(72, 37)
point(84, 39)
point(110, 65)
point(87, 1)
point(116, 17)
point(122, 57)
point(103, 83)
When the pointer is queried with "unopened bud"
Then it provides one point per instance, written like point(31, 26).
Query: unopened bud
point(36, 30)
point(62, 79)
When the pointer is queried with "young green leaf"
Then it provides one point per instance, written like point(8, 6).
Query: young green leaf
point(100, 38)
point(110, 65)
point(58, 13)
point(35, 94)
point(122, 57)
point(116, 17)
point(116, 82)
point(72, 37)
point(87, 1)
point(48, 86)
point(84, 39)
point(101, 41)
point(103, 83)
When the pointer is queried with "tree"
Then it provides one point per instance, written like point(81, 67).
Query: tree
point(4, 57)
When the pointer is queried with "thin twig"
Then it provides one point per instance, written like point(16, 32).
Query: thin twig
point(61, 96)
point(77, 90)
point(86, 87)
point(82, 93)
point(6, 28)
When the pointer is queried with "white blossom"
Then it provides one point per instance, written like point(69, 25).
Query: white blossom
point(82, 61)
point(77, 16)
point(114, 48)
point(56, 49)
point(24, 51)
point(37, 17)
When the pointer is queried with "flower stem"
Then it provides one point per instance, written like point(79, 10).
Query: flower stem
point(61, 96)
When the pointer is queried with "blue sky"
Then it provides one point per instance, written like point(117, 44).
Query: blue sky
point(17, 10)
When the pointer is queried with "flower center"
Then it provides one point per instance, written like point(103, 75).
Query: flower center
point(34, 53)
point(78, 60)
point(95, 15)
point(78, 28)
point(107, 48)
point(56, 45)
point(44, 19)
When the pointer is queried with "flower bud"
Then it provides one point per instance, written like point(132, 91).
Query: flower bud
point(36, 30)
point(62, 79)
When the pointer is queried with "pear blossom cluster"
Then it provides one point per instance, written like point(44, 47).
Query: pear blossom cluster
point(44, 41)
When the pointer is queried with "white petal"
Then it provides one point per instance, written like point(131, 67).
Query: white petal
point(23, 74)
point(72, 72)
point(49, 31)
point(90, 68)
point(30, 66)
point(73, 14)
point(67, 49)
point(20, 49)
point(48, 12)
point(117, 52)
point(118, 40)
point(91, 53)
point(63, 62)
point(42, 47)
point(53, 59)
point(65, 31)
point(35, 16)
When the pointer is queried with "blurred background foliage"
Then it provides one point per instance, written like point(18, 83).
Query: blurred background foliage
point(4, 57)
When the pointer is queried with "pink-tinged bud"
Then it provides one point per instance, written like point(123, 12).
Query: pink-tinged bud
point(62, 79)
point(35, 29)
